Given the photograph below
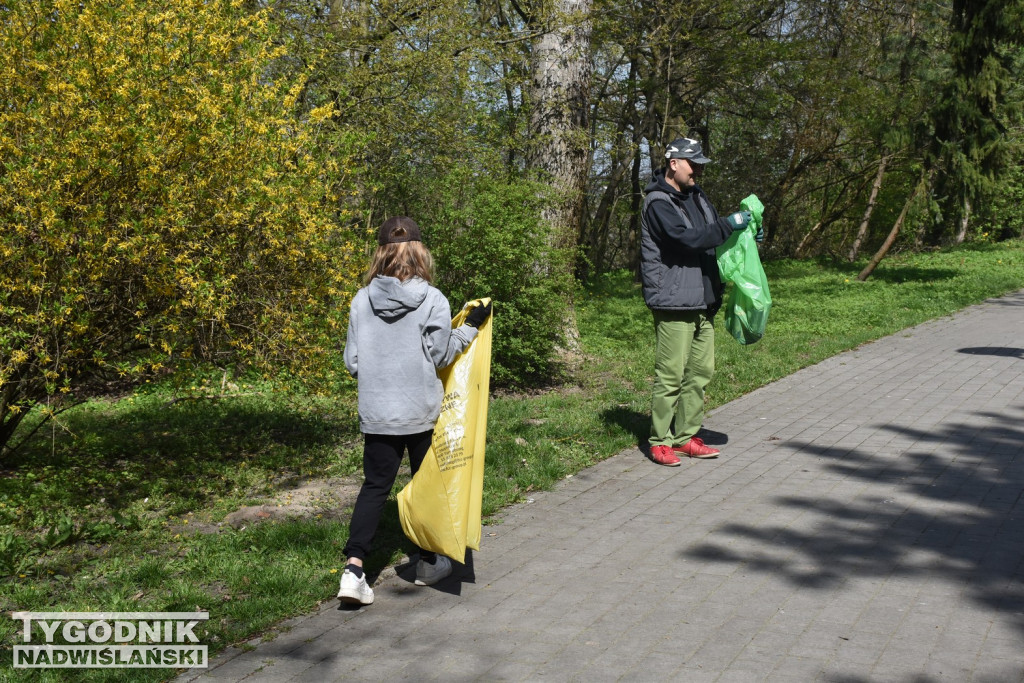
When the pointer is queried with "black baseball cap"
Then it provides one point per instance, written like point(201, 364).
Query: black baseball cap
point(399, 229)
point(686, 148)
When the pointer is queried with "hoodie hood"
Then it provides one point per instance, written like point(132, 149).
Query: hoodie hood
point(658, 183)
point(390, 298)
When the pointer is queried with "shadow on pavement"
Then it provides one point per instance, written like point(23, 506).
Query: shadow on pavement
point(994, 351)
point(949, 507)
point(639, 425)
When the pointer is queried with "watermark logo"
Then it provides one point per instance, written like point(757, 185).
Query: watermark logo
point(108, 640)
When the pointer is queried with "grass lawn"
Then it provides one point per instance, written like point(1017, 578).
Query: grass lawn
point(134, 502)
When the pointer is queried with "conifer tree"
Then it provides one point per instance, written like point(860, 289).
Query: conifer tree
point(971, 142)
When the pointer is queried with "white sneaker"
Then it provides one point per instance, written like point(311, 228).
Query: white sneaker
point(354, 589)
point(429, 574)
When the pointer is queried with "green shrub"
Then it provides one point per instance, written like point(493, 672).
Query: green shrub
point(1002, 217)
point(488, 239)
point(159, 201)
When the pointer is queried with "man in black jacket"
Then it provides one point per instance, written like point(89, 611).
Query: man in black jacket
point(683, 289)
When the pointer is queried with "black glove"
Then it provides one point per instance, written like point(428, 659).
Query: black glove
point(739, 220)
point(478, 315)
point(759, 237)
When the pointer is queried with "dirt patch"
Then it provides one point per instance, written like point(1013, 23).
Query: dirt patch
point(321, 498)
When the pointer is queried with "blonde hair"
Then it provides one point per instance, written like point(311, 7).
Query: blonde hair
point(402, 260)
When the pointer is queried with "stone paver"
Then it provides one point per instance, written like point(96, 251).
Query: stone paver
point(865, 523)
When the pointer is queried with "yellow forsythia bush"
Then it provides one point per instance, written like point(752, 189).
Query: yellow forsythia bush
point(159, 198)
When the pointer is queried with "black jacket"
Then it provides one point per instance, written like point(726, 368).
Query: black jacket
point(679, 233)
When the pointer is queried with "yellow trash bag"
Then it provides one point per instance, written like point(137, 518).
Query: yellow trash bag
point(440, 507)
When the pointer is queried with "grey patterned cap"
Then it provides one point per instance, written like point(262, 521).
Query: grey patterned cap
point(686, 148)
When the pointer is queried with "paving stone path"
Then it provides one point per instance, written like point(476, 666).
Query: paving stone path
point(864, 523)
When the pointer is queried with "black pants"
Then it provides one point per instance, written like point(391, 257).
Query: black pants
point(382, 454)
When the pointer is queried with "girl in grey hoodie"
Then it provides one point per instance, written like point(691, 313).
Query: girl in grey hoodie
point(399, 335)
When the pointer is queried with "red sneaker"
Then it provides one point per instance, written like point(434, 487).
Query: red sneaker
point(663, 455)
point(695, 448)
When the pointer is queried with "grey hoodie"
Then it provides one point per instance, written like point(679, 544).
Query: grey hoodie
point(399, 334)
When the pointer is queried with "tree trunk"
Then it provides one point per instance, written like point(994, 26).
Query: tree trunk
point(862, 231)
point(559, 97)
point(884, 249)
point(773, 206)
point(813, 232)
point(8, 425)
point(635, 203)
point(559, 149)
point(961, 235)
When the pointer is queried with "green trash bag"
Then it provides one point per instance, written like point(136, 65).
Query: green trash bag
point(746, 311)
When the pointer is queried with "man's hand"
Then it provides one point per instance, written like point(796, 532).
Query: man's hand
point(759, 237)
point(739, 220)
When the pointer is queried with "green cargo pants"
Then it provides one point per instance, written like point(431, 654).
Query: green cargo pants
point(684, 362)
